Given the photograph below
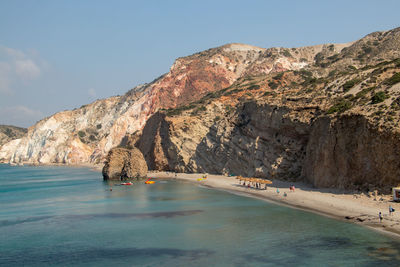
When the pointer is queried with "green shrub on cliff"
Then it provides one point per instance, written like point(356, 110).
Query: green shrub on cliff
point(341, 106)
point(81, 134)
point(393, 80)
point(350, 84)
point(379, 97)
point(273, 85)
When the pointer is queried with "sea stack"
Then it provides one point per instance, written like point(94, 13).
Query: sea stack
point(122, 163)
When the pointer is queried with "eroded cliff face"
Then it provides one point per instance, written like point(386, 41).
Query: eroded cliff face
point(256, 139)
point(268, 141)
point(333, 125)
point(85, 135)
point(351, 152)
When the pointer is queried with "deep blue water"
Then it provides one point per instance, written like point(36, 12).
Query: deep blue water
point(56, 216)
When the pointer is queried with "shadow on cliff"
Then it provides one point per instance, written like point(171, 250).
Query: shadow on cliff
point(156, 145)
point(261, 142)
point(266, 141)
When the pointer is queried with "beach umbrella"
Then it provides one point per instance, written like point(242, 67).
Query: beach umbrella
point(262, 181)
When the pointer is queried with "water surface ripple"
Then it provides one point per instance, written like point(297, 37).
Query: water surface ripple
point(57, 216)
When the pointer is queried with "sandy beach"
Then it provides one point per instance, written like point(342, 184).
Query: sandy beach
point(359, 208)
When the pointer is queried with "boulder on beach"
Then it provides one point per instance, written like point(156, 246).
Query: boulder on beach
point(122, 163)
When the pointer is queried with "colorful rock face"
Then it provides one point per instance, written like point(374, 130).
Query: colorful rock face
point(85, 135)
point(328, 114)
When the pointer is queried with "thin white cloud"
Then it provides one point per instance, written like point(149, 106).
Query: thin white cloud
point(17, 67)
point(19, 115)
point(27, 69)
point(92, 93)
point(4, 78)
point(13, 52)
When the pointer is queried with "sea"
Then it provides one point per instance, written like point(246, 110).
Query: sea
point(65, 216)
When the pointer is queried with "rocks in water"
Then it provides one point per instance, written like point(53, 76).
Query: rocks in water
point(122, 163)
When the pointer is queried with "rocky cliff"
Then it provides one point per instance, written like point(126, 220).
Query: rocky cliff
point(328, 114)
point(334, 126)
point(85, 135)
point(8, 133)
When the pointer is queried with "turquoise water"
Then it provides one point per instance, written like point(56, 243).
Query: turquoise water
point(56, 216)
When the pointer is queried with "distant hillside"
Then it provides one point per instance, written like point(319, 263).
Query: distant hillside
point(8, 133)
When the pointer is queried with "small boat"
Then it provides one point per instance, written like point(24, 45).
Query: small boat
point(200, 179)
point(127, 183)
point(149, 182)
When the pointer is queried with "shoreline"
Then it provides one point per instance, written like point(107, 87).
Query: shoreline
point(353, 207)
point(94, 167)
point(357, 208)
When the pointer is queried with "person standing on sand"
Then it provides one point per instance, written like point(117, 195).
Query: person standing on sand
point(380, 217)
point(391, 210)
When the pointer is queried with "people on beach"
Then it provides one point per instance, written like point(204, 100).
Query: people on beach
point(391, 210)
point(291, 188)
point(284, 194)
point(380, 217)
point(277, 190)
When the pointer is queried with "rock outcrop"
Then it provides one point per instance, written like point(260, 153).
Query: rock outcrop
point(329, 128)
point(123, 164)
point(85, 135)
point(351, 152)
point(9, 133)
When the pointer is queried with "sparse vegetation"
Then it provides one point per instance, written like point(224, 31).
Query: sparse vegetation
point(379, 97)
point(179, 110)
point(253, 87)
point(341, 106)
point(278, 76)
point(81, 134)
point(350, 84)
point(273, 85)
point(393, 80)
point(364, 92)
point(286, 53)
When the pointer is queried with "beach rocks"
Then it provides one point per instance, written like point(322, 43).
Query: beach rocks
point(122, 163)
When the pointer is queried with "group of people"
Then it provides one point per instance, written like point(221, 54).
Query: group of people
point(391, 210)
point(254, 185)
point(291, 188)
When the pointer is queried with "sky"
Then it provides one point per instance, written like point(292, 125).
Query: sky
point(59, 55)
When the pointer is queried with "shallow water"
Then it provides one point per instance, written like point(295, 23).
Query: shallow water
point(56, 216)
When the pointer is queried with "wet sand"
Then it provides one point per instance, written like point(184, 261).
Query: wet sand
point(358, 208)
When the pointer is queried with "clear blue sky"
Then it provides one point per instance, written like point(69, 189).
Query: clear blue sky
point(57, 55)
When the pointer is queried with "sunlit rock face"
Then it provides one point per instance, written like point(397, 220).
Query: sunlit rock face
point(334, 125)
point(122, 163)
point(86, 134)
